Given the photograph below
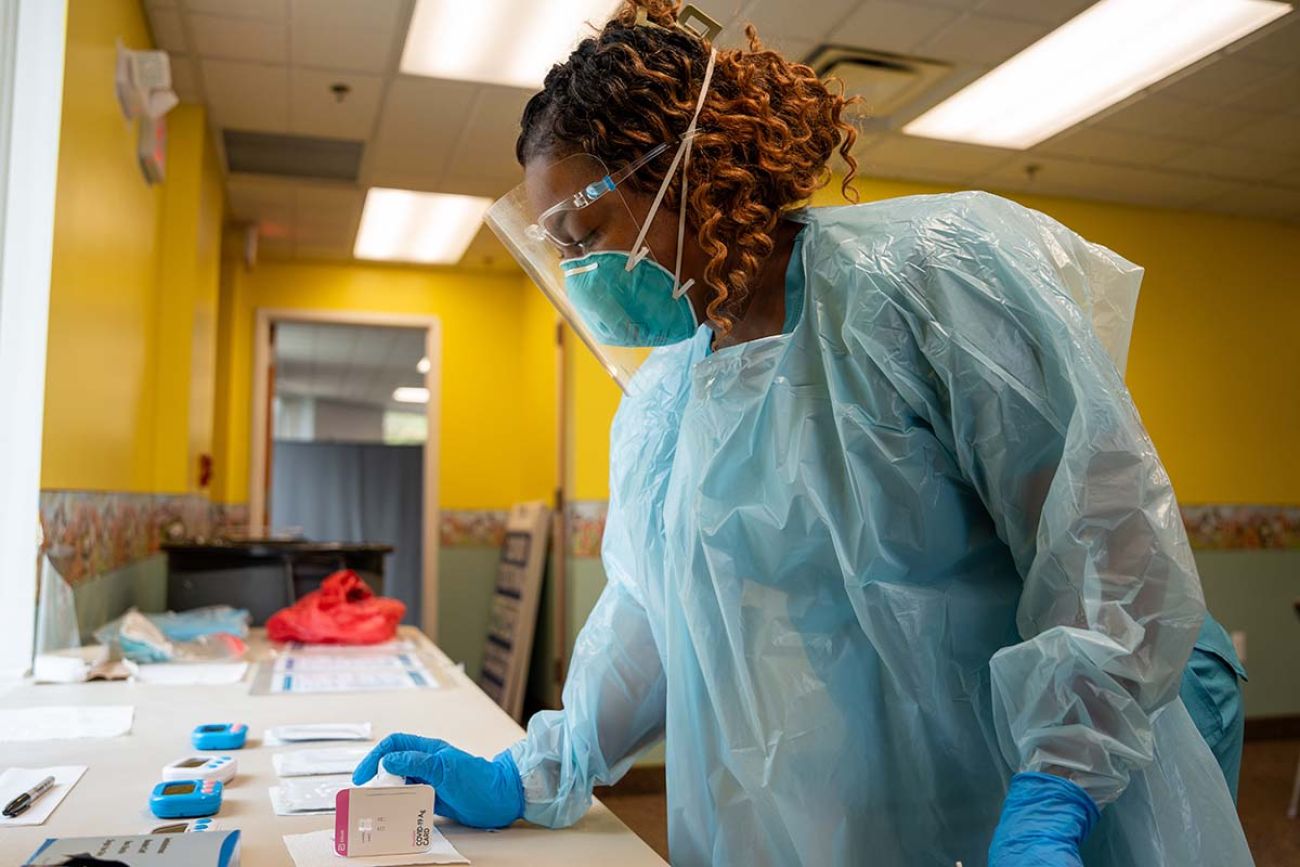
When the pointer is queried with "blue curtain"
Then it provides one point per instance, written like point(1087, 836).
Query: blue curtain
point(356, 492)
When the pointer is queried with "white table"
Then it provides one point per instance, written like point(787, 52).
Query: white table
point(112, 797)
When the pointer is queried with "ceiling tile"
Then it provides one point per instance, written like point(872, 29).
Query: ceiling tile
point(274, 247)
point(781, 19)
point(419, 124)
point(168, 31)
point(266, 10)
point(883, 25)
point(258, 200)
point(982, 39)
point(486, 251)
point(1279, 133)
point(1175, 118)
point(184, 79)
point(1073, 178)
point(1280, 93)
point(487, 146)
point(247, 96)
point(380, 15)
point(900, 153)
point(1113, 146)
point(1279, 43)
point(341, 48)
point(217, 36)
point(1233, 163)
point(314, 110)
point(1053, 13)
point(1259, 201)
point(329, 210)
point(1219, 80)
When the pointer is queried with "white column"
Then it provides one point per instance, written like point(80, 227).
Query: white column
point(31, 99)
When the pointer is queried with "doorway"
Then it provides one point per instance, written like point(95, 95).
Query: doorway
point(345, 445)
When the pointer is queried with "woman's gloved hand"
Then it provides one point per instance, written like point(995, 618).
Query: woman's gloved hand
point(468, 789)
point(1045, 819)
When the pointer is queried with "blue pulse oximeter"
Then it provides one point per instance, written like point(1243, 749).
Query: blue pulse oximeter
point(219, 736)
point(185, 799)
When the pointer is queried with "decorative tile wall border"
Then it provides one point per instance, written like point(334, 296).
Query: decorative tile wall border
point(92, 532)
point(472, 528)
point(88, 533)
point(1209, 527)
point(586, 527)
point(1219, 527)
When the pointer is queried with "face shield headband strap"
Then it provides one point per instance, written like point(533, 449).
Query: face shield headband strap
point(682, 157)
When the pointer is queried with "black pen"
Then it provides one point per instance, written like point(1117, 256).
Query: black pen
point(19, 805)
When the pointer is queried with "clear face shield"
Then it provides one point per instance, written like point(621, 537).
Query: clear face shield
point(553, 224)
point(570, 228)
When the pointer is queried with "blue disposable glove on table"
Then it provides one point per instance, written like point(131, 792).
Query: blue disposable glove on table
point(470, 790)
point(1045, 819)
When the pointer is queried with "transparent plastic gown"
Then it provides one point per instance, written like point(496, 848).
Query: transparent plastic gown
point(862, 573)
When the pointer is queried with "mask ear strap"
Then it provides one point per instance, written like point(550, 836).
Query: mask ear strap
point(683, 150)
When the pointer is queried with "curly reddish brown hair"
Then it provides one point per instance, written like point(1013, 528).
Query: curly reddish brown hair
point(767, 132)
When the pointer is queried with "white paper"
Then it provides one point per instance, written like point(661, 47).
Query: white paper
point(308, 732)
point(399, 645)
point(317, 850)
point(347, 681)
point(340, 661)
point(328, 760)
point(57, 668)
point(64, 722)
point(191, 673)
point(15, 781)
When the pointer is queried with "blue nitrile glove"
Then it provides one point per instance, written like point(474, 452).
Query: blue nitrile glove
point(1045, 819)
point(468, 789)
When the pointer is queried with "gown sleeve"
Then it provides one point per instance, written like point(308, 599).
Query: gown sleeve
point(614, 706)
point(986, 339)
point(615, 695)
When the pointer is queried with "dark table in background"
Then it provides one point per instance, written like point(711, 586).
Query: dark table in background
point(263, 575)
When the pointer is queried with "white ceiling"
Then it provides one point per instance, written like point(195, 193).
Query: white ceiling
point(1222, 136)
point(359, 364)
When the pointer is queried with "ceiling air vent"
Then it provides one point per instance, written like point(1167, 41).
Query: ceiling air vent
point(294, 156)
point(886, 82)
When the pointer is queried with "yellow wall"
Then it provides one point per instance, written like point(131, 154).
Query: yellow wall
point(497, 426)
point(188, 277)
point(1213, 360)
point(129, 375)
point(99, 400)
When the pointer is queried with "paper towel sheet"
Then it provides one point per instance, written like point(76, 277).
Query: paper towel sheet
point(55, 723)
point(15, 781)
point(317, 850)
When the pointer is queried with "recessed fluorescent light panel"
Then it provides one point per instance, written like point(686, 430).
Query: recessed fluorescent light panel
point(429, 228)
point(510, 42)
point(1105, 54)
point(408, 394)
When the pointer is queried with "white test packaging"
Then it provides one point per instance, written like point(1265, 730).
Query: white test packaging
point(383, 820)
point(220, 768)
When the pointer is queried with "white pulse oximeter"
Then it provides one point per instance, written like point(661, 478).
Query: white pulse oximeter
point(220, 768)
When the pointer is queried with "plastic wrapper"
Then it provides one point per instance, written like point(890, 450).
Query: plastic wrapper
point(343, 611)
point(213, 634)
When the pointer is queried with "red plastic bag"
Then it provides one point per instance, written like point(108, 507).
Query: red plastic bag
point(343, 611)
